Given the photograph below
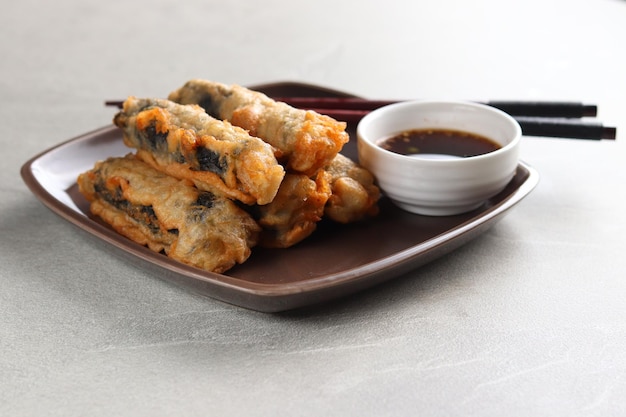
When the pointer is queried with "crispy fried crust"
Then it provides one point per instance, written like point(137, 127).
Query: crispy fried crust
point(343, 192)
point(185, 142)
point(354, 194)
point(295, 212)
point(153, 209)
point(306, 141)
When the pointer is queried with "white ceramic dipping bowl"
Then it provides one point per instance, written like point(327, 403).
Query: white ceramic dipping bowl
point(439, 186)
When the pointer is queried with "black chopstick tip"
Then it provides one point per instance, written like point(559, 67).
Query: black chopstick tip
point(114, 103)
point(589, 110)
point(609, 133)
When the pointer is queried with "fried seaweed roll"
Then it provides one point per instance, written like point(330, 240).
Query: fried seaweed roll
point(343, 192)
point(295, 212)
point(306, 141)
point(186, 143)
point(354, 194)
point(170, 215)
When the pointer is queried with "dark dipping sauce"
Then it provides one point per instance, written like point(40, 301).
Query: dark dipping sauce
point(439, 141)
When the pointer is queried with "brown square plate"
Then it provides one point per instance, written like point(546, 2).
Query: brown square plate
point(337, 260)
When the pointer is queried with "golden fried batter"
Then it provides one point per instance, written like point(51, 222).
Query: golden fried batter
point(153, 209)
point(306, 141)
point(354, 194)
point(185, 142)
point(294, 213)
point(343, 192)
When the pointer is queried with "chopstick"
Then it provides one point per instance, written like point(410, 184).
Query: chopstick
point(514, 108)
point(567, 128)
point(546, 119)
point(558, 119)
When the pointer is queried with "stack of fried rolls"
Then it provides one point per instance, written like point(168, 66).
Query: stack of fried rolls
point(221, 168)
